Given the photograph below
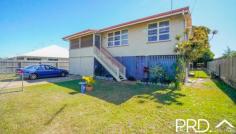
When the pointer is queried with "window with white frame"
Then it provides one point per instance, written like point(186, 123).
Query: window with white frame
point(164, 30)
point(118, 38)
point(152, 32)
point(110, 39)
point(124, 37)
point(159, 31)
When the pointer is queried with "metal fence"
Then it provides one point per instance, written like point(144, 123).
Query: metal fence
point(224, 68)
point(10, 66)
point(11, 82)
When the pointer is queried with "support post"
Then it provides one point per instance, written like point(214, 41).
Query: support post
point(93, 39)
point(22, 81)
point(117, 72)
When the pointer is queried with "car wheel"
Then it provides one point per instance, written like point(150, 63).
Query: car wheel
point(63, 74)
point(33, 76)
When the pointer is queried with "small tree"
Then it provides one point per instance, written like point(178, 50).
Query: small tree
point(195, 46)
point(207, 56)
point(180, 71)
point(229, 53)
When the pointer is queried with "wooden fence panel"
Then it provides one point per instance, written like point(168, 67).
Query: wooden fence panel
point(225, 68)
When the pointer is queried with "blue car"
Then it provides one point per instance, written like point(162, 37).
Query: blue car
point(42, 71)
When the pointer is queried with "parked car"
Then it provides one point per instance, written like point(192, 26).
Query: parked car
point(42, 71)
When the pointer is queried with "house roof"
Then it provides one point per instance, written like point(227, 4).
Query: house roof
point(137, 21)
point(81, 33)
point(52, 51)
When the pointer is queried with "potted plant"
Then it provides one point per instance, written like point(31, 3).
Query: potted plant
point(89, 82)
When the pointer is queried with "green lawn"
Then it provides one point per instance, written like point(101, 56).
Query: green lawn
point(199, 74)
point(113, 108)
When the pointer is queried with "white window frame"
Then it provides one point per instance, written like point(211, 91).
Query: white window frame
point(158, 31)
point(152, 29)
point(112, 41)
point(119, 35)
point(122, 34)
point(120, 40)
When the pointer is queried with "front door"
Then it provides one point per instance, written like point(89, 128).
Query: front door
point(97, 41)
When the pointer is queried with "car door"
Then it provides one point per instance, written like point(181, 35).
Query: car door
point(48, 71)
point(41, 71)
point(54, 71)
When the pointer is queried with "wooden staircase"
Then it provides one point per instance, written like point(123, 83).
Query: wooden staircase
point(112, 65)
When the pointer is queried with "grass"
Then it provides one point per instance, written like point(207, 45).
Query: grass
point(113, 108)
point(8, 76)
point(199, 74)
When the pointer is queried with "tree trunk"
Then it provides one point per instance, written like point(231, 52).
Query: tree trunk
point(186, 72)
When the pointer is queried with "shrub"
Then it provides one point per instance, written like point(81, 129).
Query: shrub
point(180, 71)
point(157, 74)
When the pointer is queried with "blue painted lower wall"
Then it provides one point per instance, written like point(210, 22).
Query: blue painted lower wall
point(135, 65)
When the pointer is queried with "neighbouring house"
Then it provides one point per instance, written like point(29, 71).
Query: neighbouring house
point(53, 55)
point(124, 50)
point(49, 53)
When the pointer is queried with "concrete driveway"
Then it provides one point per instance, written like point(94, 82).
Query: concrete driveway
point(17, 83)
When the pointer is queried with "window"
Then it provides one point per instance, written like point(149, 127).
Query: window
point(152, 32)
point(159, 31)
point(118, 38)
point(48, 67)
point(110, 39)
point(52, 59)
point(37, 59)
point(164, 30)
point(74, 43)
point(124, 37)
point(86, 41)
point(20, 58)
point(34, 67)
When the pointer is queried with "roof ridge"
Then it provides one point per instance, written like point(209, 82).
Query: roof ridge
point(148, 17)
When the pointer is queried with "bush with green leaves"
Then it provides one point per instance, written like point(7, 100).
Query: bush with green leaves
point(180, 71)
point(157, 74)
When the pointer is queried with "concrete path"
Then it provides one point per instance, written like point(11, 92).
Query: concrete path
point(17, 83)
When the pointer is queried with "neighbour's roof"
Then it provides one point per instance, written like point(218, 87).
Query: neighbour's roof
point(52, 51)
point(145, 19)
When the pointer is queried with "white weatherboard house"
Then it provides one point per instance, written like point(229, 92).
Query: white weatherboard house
point(49, 53)
point(124, 50)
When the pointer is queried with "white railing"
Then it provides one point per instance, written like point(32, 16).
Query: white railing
point(121, 67)
point(113, 64)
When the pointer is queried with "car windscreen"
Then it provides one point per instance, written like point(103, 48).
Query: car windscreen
point(31, 67)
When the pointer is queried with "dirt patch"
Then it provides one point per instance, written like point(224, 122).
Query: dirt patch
point(199, 83)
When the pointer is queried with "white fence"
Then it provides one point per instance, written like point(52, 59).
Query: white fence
point(224, 68)
point(10, 66)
